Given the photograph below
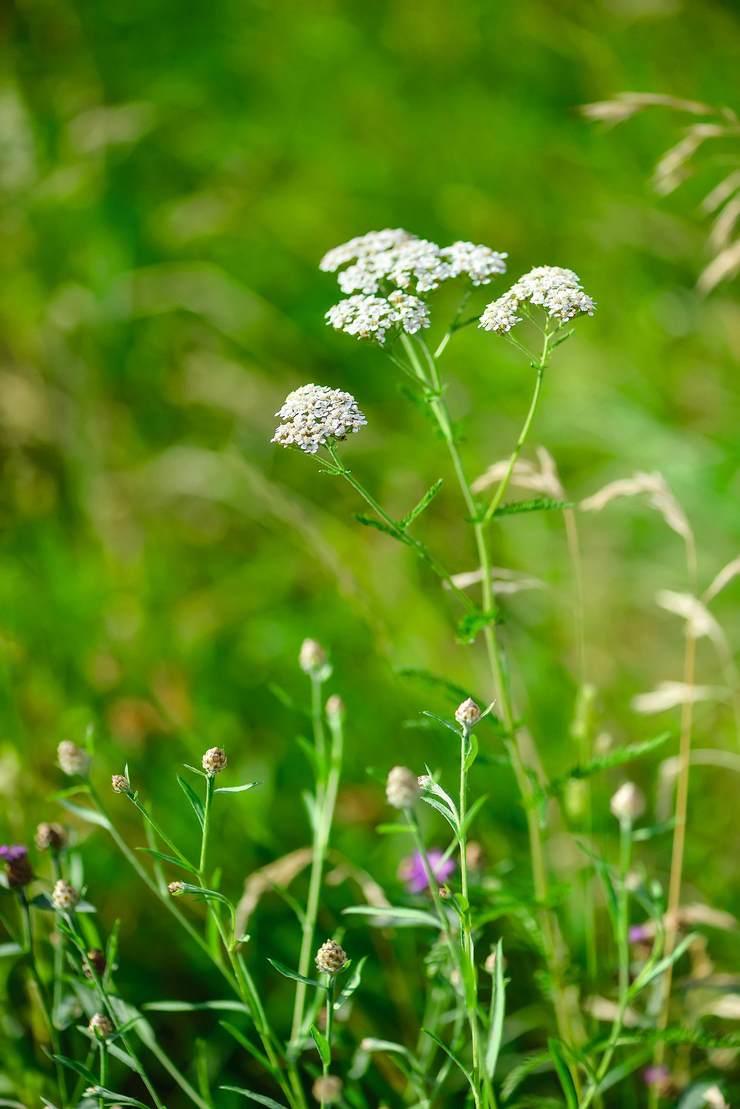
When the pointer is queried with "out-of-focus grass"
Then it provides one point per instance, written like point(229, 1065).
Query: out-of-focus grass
point(169, 180)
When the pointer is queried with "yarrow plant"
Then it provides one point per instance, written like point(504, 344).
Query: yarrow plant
point(599, 1032)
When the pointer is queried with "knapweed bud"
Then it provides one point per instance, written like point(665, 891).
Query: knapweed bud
point(72, 759)
point(445, 893)
point(402, 788)
point(467, 714)
point(50, 837)
point(101, 1026)
point(312, 657)
point(474, 855)
point(490, 964)
point(64, 896)
point(120, 783)
point(335, 708)
point(327, 1089)
point(18, 869)
point(176, 889)
point(95, 958)
point(331, 957)
point(627, 803)
point(214, 760)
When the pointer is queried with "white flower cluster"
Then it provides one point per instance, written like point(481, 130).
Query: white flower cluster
point(557, 290)
point(314, 414)
point(371, 317)
point(371, 265)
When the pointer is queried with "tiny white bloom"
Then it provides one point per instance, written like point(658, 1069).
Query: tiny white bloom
point(478, 262)
point(553, 288)
point(314, 414)
point(372, 317)
point(362, 246)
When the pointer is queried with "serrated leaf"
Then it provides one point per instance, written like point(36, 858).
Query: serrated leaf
point(193, 798)
point(261, 1099)
point(611, 759)
point(288, 973)
point(236, 789)
point(536, 504)
point(168, 859)
point(422, 504)
point(371, 522)
point(474, 622)
point(393, 916)
point(322, 1045)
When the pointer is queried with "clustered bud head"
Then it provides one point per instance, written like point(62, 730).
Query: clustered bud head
point(101, 1026)
point(18, 868)
point(95, 958)
point(331, 957)
point(64, 896)
point(312, 657)
point(402, 788)
point(335, 708)
point(177, 889)
point(558, 291)
point(327, 1089)
point(72, 759)
point(214, 760)
point(627, 803)
point(120, 783)
point(467, 714)
point(50, 837)
point(490, 964)
point(315, 415)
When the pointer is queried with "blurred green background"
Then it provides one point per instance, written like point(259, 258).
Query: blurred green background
point(170, 176)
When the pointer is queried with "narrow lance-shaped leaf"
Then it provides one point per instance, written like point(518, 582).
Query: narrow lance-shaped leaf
point(193, 798)
point(393, 916)
point(322, 1045)
point(288, 973)
point(169, 859)
point(236, 789)
point(496, 1015)
point(261, 1099)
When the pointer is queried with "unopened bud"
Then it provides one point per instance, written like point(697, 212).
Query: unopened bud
point(335, 708)
point(402, 788)
point(467, 714)
point(72, 759)
point(474, 855)
point(327, 1089)
point(176, 889)
point(627, 803)
point(490, 964)
point(120, 783)
point(50, 837)
point(445, 893)
point(214, 760)
point(100, 1026)
point(64, 896)
point(95, 958)
point(312, 657)
point(331, 957)
point(18, 870)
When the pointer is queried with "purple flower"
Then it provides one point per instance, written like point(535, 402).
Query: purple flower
point(656, 1076)
point(11, 853)
point(412, 872)
point(640, 933)
point(18, 869)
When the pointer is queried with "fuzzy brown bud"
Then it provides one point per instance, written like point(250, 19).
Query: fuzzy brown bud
point(120, 783)
point(101, 1026)
point(331, 957)
point(467, 714)
point(50, 837)
point(214, 760)
point(72, 759)
point(327, 1089)
point(402, 788)
point(95, 958)
point(64, 896)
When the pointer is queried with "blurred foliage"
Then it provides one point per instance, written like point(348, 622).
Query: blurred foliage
point(170, 176)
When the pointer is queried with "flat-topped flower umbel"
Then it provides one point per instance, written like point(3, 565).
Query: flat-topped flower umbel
point(315, 415)
point(558, 291)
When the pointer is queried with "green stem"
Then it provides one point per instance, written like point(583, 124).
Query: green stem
point(504, 483)
point(468, 943)
point(206, 827)
point(550, 933)
point(103, 1071)
point(28, 945)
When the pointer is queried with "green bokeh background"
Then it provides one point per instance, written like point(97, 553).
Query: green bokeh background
point(171, 174)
